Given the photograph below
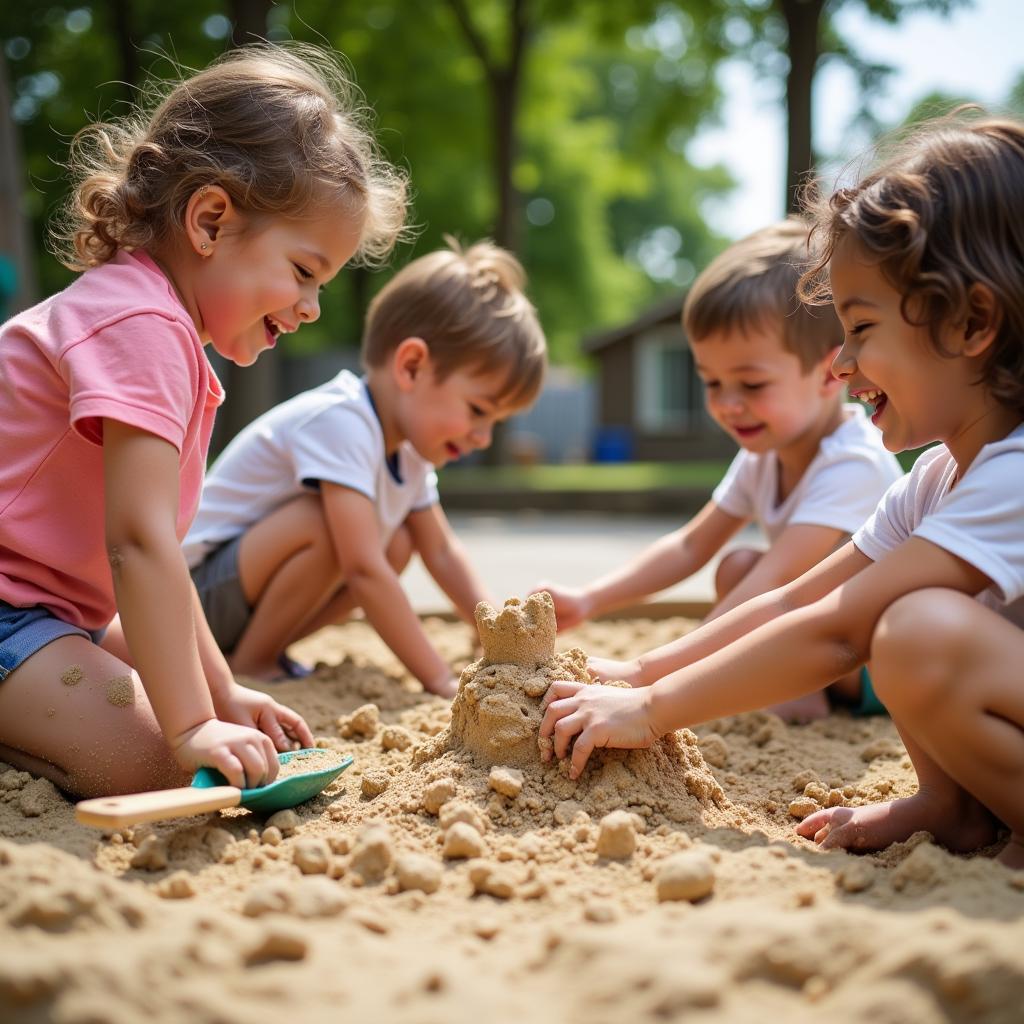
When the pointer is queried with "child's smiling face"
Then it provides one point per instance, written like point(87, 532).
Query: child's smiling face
point(263, 279)
point(918, 395)
point(447, 419)
point(758, 392)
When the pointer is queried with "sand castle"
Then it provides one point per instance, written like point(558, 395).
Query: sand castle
point(497, 712)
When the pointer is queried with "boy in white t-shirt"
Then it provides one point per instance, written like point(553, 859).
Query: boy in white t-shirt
point(810, 469)
point(315, 508)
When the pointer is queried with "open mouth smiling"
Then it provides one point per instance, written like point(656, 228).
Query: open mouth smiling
point(873, 397)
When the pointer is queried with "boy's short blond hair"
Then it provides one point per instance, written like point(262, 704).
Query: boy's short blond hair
point(753, 283)
point(469, 307)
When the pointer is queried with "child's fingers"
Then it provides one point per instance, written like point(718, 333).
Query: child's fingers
point(286, 728)
point(810, 825)
point(581, 751)
point(259, 759)
point(565, 728)
point(295, 726)
point(558, 690)
point(269, 725)
point(825, 827)
point(231, 768)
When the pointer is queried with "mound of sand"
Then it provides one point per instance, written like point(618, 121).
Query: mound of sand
point(496, 718)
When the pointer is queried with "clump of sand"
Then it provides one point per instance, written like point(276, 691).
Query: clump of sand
point(496, 718)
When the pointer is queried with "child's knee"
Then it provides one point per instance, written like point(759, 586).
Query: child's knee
point(916, 648)
point(140, 760)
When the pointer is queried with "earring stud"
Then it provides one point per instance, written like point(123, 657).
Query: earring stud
point(204, 246)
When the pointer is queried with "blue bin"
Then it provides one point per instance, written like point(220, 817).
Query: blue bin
point(613, 444)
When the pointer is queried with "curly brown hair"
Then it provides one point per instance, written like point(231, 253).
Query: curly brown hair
point(278, 127)
point(943, 212)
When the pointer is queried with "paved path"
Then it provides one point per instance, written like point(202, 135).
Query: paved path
point(514, 552)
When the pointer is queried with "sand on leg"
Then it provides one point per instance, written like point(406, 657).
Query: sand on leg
point(948, 669)
point(80, 717)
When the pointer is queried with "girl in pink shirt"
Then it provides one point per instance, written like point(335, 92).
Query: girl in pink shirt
point(214, 221)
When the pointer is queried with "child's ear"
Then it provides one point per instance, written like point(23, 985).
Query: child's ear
point(984, 318)
point(829, 381)
point(208, 212)
point(410, 361)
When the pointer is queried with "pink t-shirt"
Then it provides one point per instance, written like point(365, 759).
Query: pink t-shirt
point(118, 344)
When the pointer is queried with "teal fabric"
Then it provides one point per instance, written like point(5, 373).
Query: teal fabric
point(869, 702)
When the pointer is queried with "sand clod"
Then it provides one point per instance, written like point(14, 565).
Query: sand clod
point(685, 876)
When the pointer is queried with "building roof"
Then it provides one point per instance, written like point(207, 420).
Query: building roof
point(667, 310)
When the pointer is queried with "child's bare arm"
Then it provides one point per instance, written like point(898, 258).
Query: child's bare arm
point(154, 600)
point(668, 560)
point(714, 635)
point(240, 704)
point(797, 549)
point(801, 650)
point(446, 560)
point(352, 521)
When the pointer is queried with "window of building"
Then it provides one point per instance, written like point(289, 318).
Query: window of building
point(668, 394)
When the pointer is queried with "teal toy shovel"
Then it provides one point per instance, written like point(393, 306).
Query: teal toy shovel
point(209, 792)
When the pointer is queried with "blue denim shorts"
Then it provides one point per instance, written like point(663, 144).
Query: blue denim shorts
point(23, 631)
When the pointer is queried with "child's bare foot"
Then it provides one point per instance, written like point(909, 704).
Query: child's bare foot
point(959, 825)
point(279, 671)
point(446, 687)
point(803, 709)
point(292, 669)
point(1012, 854)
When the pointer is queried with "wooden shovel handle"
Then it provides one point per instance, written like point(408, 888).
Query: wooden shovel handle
point(118, 811)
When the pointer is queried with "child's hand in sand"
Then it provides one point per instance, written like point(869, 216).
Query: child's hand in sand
point(598, 716)
point(243, 706)
point(604, 670)
point(572, 605)
point(244, 756)
point(444, 686)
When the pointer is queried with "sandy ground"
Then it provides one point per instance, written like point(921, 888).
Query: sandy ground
point(422, 886)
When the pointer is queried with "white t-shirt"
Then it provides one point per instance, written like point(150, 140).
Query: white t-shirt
point(839, 489)
point(331, 434)
point(980, 520)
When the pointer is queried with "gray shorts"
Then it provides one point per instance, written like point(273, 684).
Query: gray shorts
point(220, 594)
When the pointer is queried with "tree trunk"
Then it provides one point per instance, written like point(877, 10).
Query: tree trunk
point(251, 390)
point(249, 20)
point(803, 23)
point(127, 56)
point(505, 92)
point(504, 81)
point(15, 232)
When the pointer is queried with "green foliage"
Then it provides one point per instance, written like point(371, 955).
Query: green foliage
point(66, 69)
point(620, 477)
point(594, 152)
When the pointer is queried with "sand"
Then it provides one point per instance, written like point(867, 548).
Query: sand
point(450, 876)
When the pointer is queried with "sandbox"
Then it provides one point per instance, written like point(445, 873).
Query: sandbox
point(450, 875)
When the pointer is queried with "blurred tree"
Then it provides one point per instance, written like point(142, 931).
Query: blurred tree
point(794, 38)
point(17, 267)
point(606, 203)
